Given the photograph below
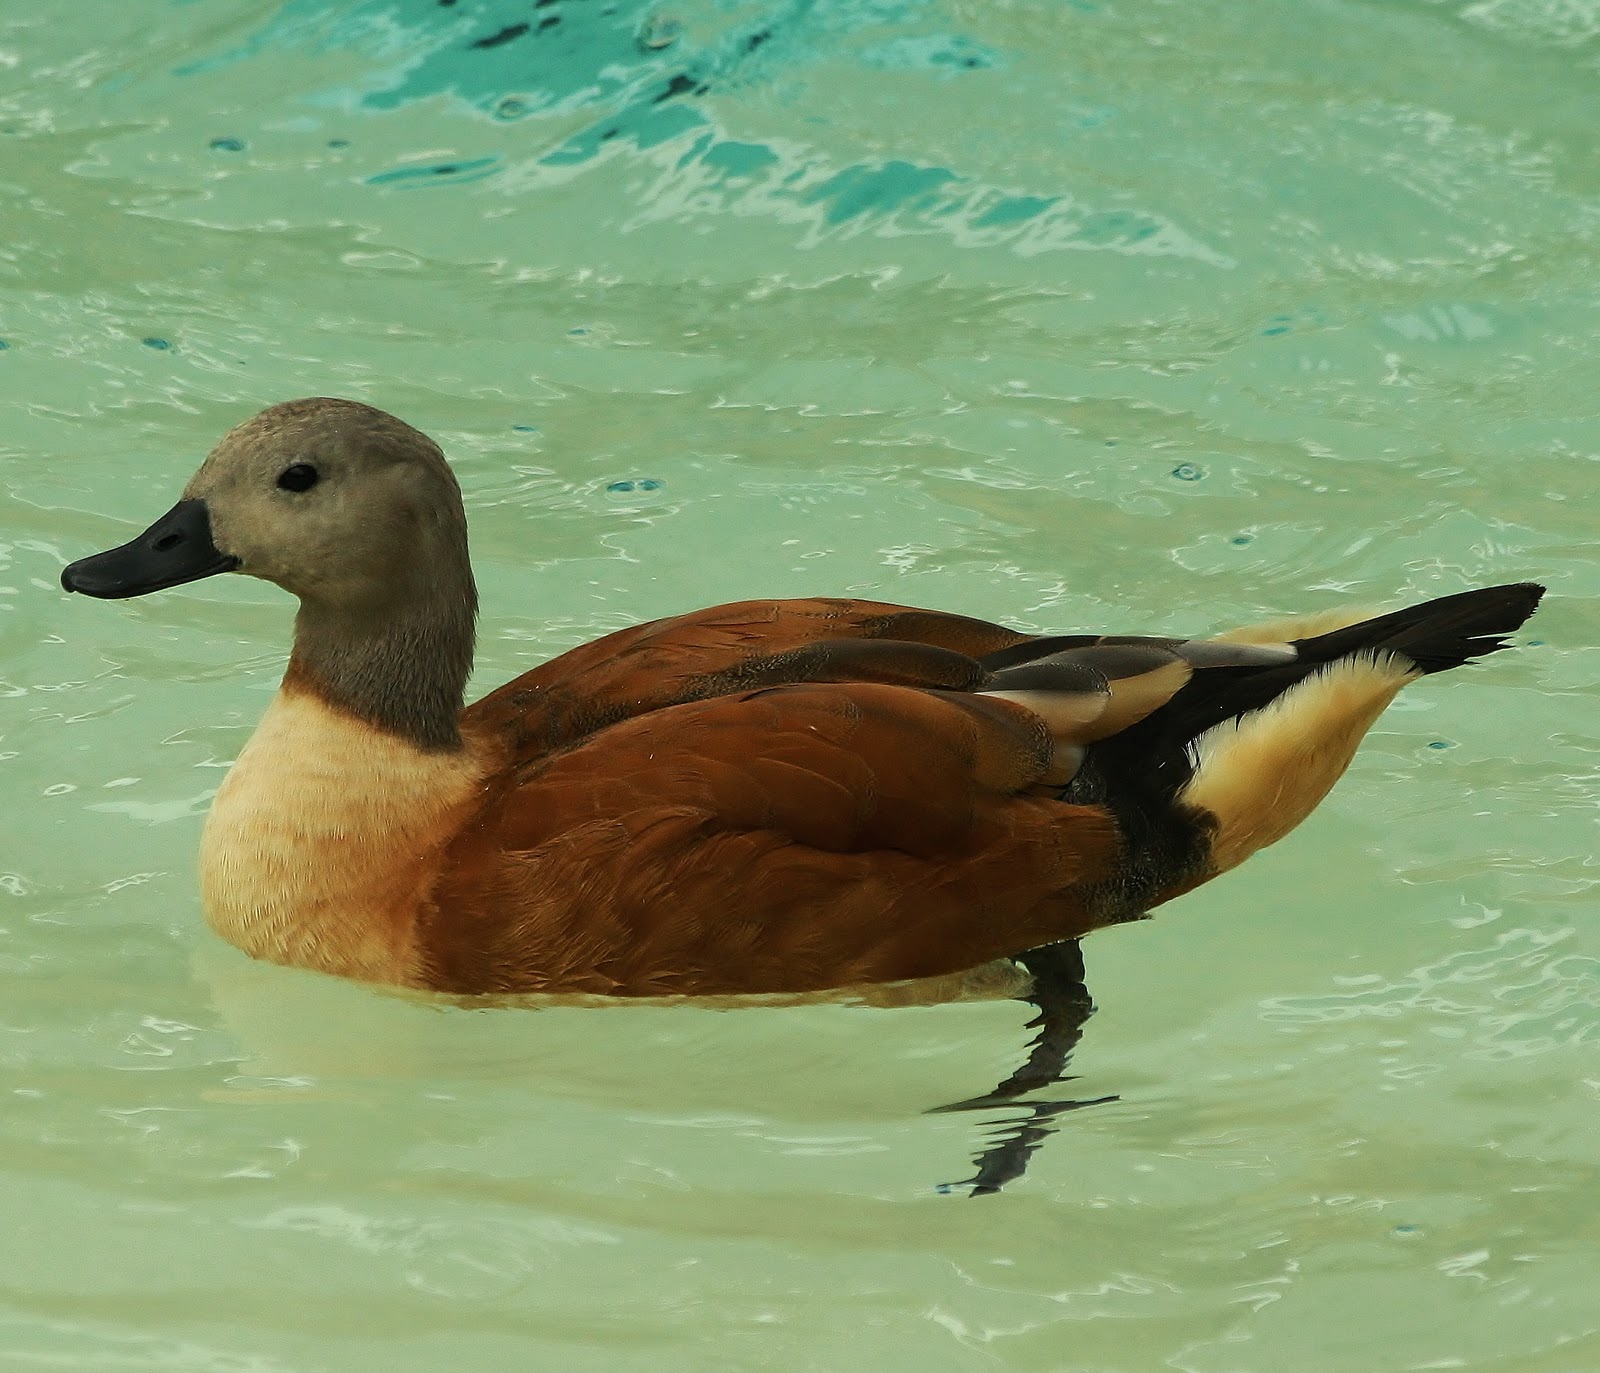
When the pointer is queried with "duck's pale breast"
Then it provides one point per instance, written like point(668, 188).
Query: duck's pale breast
point(325, 837)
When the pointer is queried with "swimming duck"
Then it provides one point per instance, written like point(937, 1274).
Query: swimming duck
point(764, 797)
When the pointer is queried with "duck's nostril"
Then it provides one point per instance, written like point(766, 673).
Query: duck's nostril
point(167, 541)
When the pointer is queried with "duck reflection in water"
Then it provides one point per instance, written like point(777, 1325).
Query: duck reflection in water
point(1064, 1004)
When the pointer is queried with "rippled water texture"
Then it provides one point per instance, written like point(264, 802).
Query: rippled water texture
point(1151, 316)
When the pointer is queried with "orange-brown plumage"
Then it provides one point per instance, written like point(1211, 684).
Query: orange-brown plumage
point(764, 797)
point(787, 839)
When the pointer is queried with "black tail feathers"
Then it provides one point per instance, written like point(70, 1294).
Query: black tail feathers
point(1140, 772)
point(1435, 635)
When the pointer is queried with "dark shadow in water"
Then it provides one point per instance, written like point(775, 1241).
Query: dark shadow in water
point(1064, 1007)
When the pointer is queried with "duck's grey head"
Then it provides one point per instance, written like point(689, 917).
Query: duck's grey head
point(345, 506)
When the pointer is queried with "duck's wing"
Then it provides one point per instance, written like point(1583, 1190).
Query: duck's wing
point(787, 839)
point(888, 808)
point(726, 649)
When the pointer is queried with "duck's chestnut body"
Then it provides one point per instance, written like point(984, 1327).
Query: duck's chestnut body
point(770, 796)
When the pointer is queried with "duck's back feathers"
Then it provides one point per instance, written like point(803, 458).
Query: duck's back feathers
point(732, 648)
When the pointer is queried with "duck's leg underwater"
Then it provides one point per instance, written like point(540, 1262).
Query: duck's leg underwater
point(1064, 1007)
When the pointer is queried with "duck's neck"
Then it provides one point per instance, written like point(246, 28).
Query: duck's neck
point(401, 668)
point(326, 835)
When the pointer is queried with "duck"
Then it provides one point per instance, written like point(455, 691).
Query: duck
point(763, 797)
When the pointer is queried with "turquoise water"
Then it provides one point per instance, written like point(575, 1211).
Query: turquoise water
point(1152, 317)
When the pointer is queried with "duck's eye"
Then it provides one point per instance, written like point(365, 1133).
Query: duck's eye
point(301, 477)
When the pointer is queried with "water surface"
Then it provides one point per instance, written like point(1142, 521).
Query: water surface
point(1153, 317)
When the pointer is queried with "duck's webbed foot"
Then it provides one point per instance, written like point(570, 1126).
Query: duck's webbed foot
point(1064, 1007)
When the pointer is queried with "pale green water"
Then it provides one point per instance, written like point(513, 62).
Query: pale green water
point(1150, 316)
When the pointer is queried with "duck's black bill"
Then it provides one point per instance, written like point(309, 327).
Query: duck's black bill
point(176, 549)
